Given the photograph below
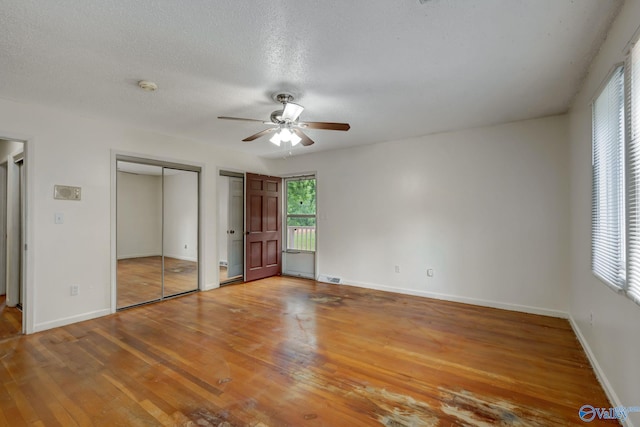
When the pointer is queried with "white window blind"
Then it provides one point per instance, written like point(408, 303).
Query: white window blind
point(633, 173)
point(607, 211)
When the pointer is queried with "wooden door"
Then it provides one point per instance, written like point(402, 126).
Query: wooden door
point(264, 236)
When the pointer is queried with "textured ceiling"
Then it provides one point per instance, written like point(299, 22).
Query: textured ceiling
point(392, 69)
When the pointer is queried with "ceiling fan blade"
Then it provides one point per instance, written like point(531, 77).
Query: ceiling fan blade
point(304, 139)
point(245, 120)
point(292, 111)
point(259, 134)
point(325, 125)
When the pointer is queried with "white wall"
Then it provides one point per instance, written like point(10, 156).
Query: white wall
point(223, 216)
point(181, 215)
point(613, 337)
point(485, 208)
point(139, 219)
point(67, 148)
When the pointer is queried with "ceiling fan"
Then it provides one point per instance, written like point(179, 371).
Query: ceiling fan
point(286, 125)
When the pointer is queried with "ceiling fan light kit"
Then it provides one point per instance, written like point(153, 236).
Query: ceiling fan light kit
point(285, 135)
point(287, 128)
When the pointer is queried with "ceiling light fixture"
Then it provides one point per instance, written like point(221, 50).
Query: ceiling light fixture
point(276, 139)
point(286, 126)
point(284, 134)
point(147, 85)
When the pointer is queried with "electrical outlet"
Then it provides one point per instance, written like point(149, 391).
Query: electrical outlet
point(590, 319)
point(75, 290)
point(397, 269)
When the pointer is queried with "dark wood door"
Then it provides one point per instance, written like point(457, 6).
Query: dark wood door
point(264, 235)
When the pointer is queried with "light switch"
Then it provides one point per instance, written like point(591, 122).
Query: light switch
point(58, 218)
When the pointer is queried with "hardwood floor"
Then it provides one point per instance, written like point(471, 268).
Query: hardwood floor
point(140, 279)
point(224, 277)
point(293, 352)
point(10, 319)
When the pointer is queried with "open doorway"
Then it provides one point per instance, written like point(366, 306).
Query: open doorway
point(300, 232)
point(12, 237)
point(230, 227)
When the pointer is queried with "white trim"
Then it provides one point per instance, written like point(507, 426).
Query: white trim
point(39, 327)
point(180, 257)
point(465, 300)
point(138, 256)
point(210, 286)
point(113, 225)
point(614, 400)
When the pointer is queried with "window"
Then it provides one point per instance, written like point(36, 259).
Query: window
point(633, 173)
point(615, 240)
point(301, 214)
point(607, 211)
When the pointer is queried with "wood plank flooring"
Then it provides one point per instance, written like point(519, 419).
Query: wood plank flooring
point(10, 319)
point(224, 277)
point(140, 279)
point(294, 352)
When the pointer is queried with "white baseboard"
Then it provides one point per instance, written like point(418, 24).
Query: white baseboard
point(602, 378)
point(138, 256)
point(465, 300)
point(39, 327)
point(180, 257)
point(210, 286)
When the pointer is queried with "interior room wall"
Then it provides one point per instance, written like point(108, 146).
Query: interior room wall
point(181, 215)
point(223, 216)
point(487, 209)
point(139, 218)
point(606, 322)
point(68, 148)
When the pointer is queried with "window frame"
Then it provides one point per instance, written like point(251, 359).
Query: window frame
point(287, 215)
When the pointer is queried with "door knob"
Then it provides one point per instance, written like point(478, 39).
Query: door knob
point(232, 232)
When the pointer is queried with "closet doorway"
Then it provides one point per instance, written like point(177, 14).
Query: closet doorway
point(157, 230)
point(231, 227)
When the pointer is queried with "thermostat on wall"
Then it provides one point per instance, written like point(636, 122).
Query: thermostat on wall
point(65, 192)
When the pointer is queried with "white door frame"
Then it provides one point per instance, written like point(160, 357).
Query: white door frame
point(14, 230)
point(3, 226)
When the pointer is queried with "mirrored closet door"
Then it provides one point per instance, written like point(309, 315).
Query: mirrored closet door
point(180, 231)
point(157, 231)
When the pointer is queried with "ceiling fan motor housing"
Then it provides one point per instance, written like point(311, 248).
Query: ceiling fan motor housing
point(276, 117)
